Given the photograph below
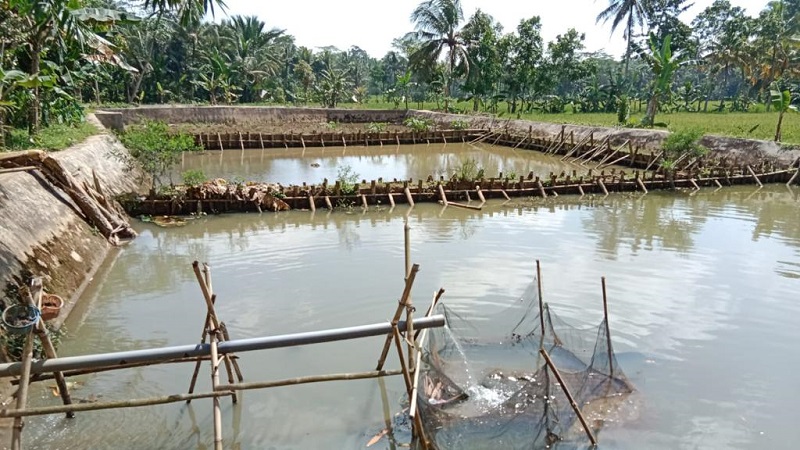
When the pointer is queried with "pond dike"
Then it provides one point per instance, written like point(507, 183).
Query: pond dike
point(604, 160)
point(43, 233)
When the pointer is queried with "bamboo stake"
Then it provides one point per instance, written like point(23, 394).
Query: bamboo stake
point(719, 185)
point(391, 200)
point(303, 141)
point(22, 394)
point(80, 407)
point(401, 355)
point(442, 195)
point(230, 356)
point(794, 177)
point(407, 250)
point(576, 147)
point(615, 161)
point(571, 400)
point(480, 194)
point(344, 144)
point(694, 184)
point(328, 202)
point(641, 184)
point(261, 140)
point(408, 196)
point(602, 186)
point(541, 188)
point(608, 329)
point(541, 301)
point(750, 169)
point(412, 274)
point(655, 158)
point(219, 141)
point(580, 189)
point(505, 194)
point(18, 169)
point(364, 201)
point(311, 204)
point(436, 296)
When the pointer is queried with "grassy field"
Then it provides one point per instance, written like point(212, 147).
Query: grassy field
point(52, 138)
point(749, 125)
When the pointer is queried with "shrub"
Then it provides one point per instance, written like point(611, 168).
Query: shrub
point(459, 124)
point(376, 127)
point(157, 150)
point(347, 179)
point(193, 177)
point(418, 124)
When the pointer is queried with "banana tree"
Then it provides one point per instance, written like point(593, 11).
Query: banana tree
point(782, 102)
point(663, 63)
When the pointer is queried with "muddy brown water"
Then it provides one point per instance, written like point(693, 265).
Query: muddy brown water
point(702, 289)
point(369, 163)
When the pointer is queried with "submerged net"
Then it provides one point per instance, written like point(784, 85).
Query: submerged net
point(485, 384)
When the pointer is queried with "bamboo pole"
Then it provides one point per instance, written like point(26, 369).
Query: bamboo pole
point(328, 202)
point(219, 141)
point(694, 184)
point(307, 380)
point(406, 250)
point(461, 205)
point(303, 141)
point(75, 373)
point(480, 194)
point(22, 394)
point(344, 143)
point(794, 177)
point(81, 407)
point(408, 196)
point(311, 204)
point(655, 158)
point(261, 140)
point(391, 200)
point(436, 296)
point(541, 188)
point(18, 169)
point(719, 185)
point(412, 274)
point(608, 329)
point(571, 400)
point(364, 201)
point(541, 301)
point(403, 367)
point(750, 169)
point(580, 189)
point(615, 161)
point(641, 184)
point(602, 186)
point(442, 194)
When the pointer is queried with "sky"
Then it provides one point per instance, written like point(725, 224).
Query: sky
point(373, 24)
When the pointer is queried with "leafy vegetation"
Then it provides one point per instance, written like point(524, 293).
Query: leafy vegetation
point(155, 149)
point(418, 124)
point(52, 138)
point(347, 179)
point(469, 170)
point(193, 177)
point(60, 54)
point(376, 127)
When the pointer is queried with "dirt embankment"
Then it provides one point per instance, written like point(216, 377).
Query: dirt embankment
point(44, 234)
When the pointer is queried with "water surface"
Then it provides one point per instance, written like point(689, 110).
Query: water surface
point(702, 291)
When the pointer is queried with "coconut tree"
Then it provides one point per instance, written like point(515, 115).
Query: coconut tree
point(632, 12)
point(436, 24)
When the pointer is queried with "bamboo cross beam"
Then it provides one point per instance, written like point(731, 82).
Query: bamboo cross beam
point(567, 393)
point(653, 161)
point(576, 147)
point(227, 388)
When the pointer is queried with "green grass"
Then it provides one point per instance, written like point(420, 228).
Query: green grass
point(52, 138)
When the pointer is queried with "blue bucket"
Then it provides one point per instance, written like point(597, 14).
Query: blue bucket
point(20, 319)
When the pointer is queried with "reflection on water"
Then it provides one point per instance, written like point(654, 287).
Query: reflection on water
point(370, 163)
point(702, 292)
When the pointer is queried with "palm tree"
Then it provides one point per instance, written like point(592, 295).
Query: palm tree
point(437, 28)
point(633, 12)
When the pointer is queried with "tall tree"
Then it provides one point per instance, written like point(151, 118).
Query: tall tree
point(482, 34)
point(633, 13)
point(437, 27)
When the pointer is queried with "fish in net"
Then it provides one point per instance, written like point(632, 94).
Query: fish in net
point(485, 384)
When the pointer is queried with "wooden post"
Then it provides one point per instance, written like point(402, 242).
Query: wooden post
point(311, 204)
point(571, 400)
point(364, 201)
point(608, 329)
point(580, 189)
point(303, 141)
point(391, 200)
point(541, 301)
point(541, 188)
point(261, 140)
point(219, 140)
point(328, 203)
point(750, 169)
point(480, 194)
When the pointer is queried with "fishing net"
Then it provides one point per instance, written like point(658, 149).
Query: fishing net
point(485, 384)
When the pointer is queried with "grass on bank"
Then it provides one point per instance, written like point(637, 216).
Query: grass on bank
point(52, 138)
point(757, 124)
